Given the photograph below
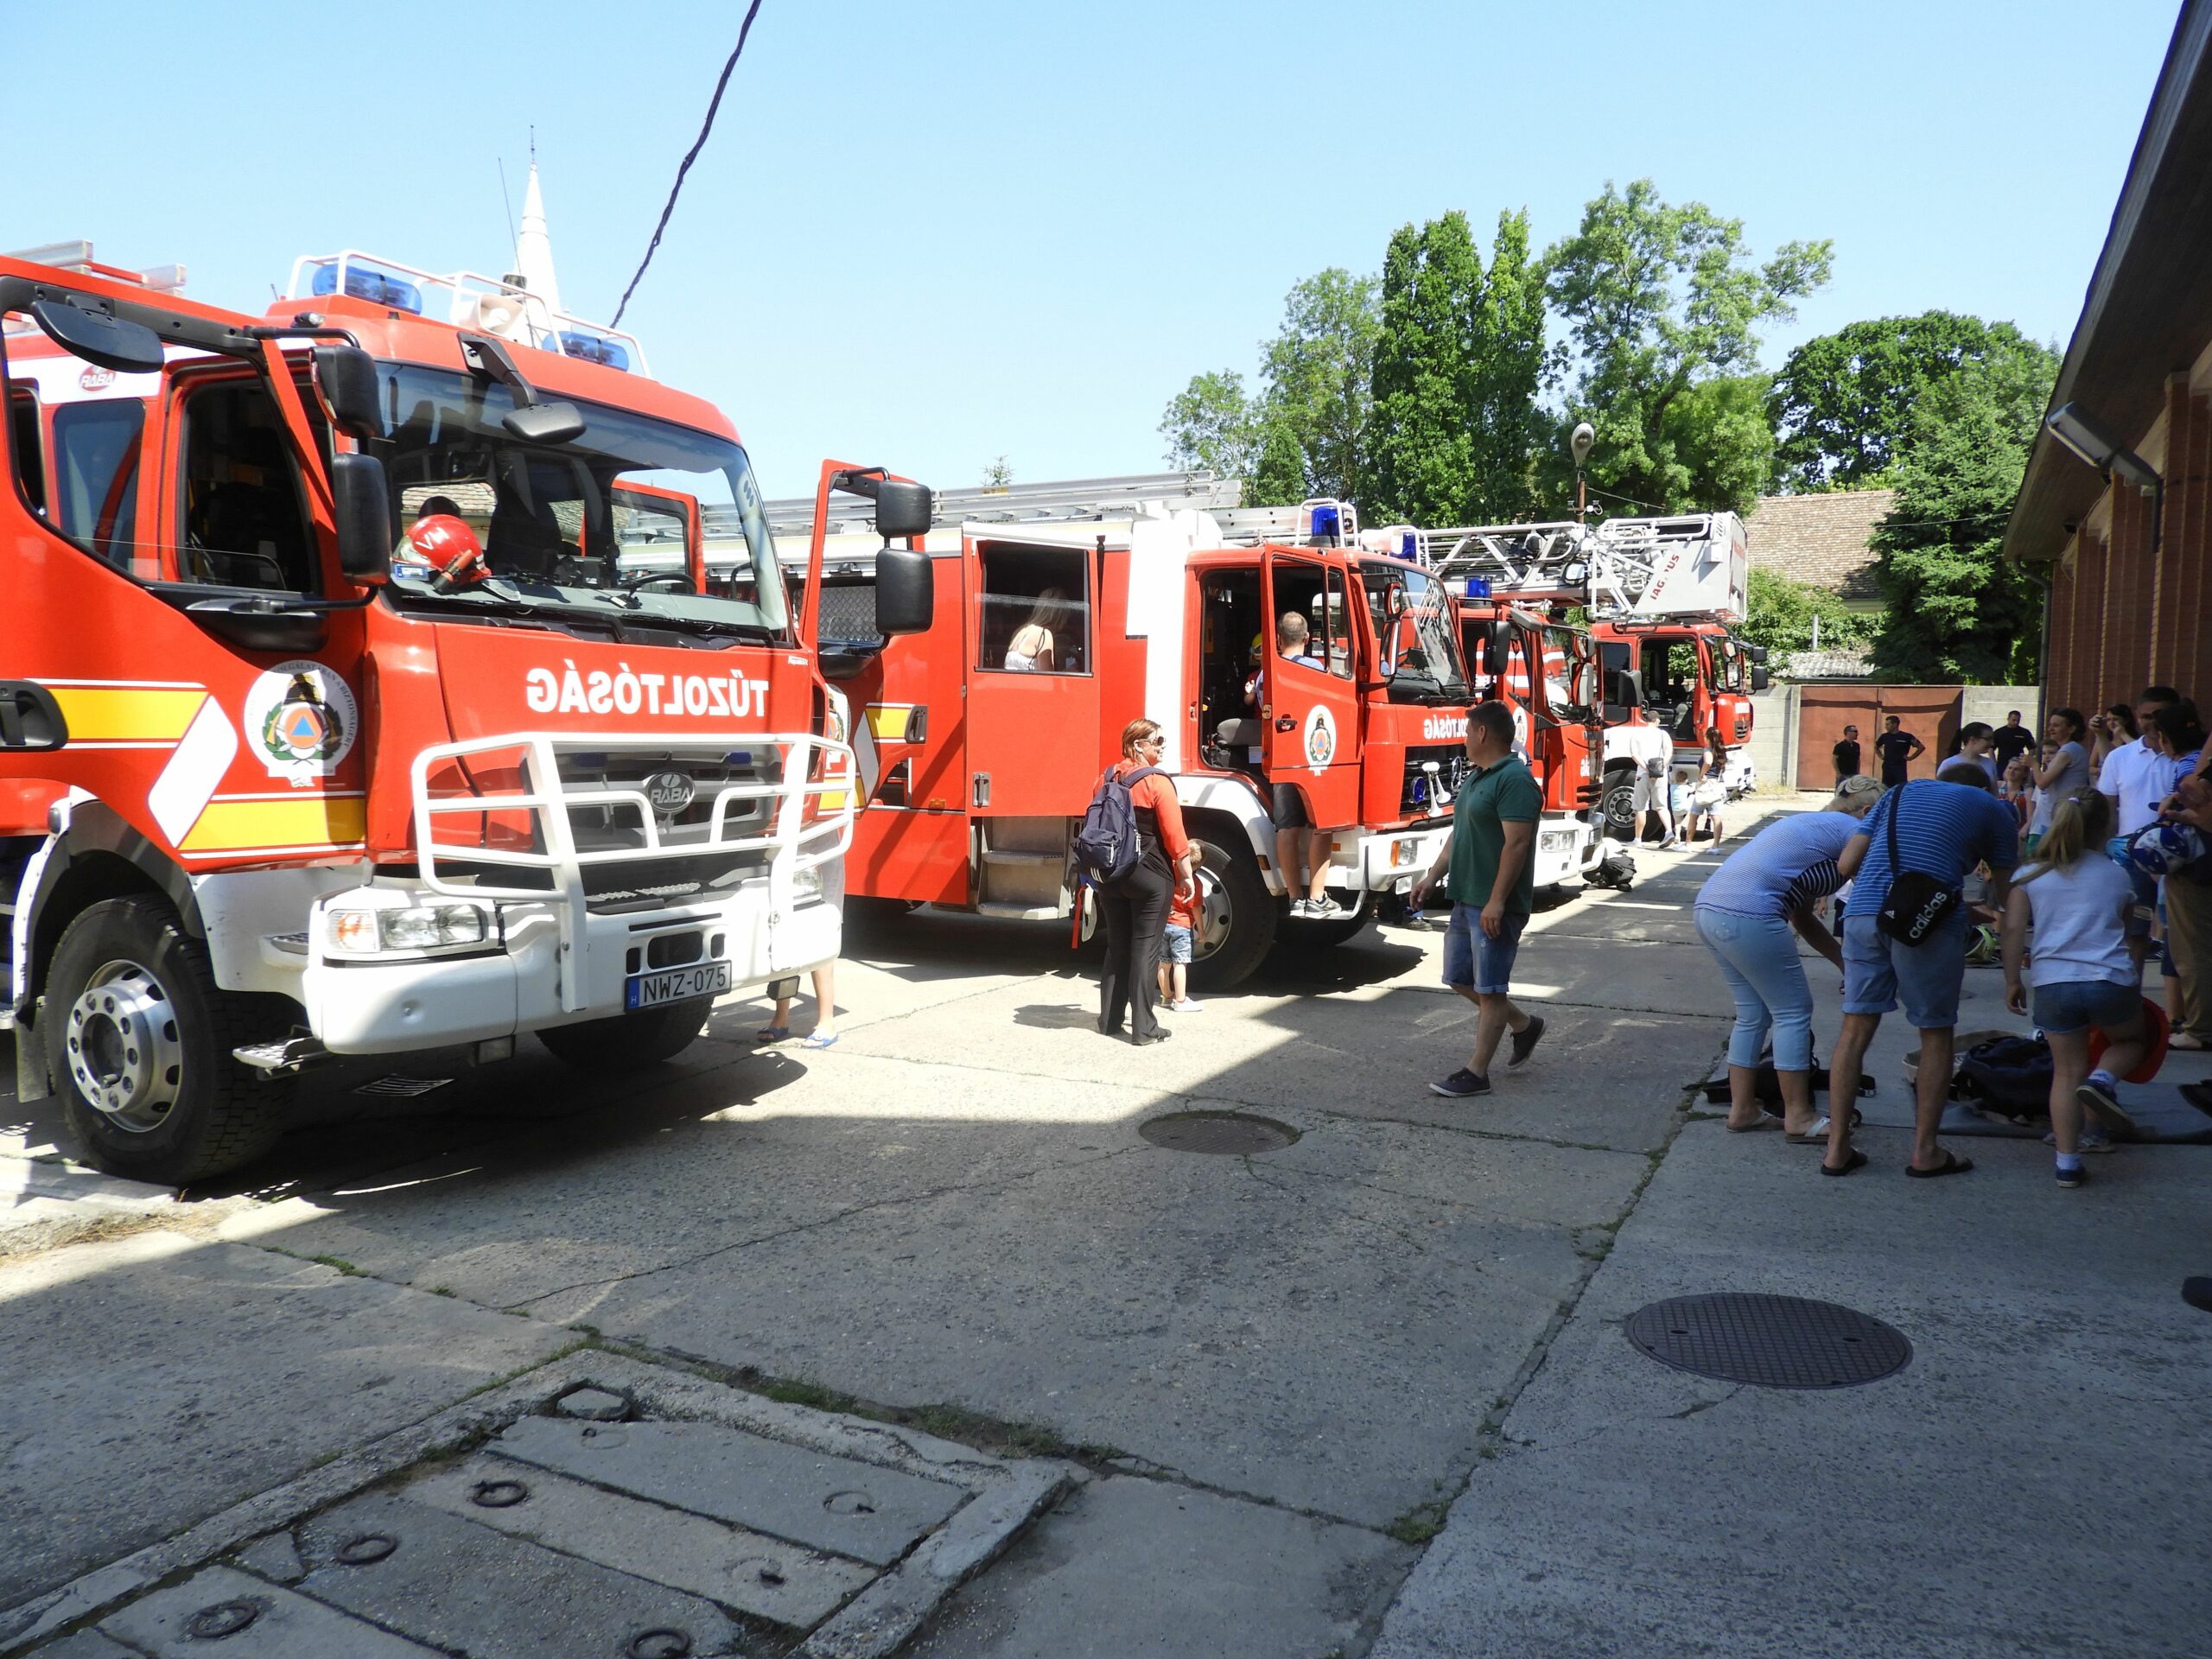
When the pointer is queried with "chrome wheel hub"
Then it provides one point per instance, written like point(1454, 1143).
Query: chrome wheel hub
point(1215, 916)
point(124, 1055)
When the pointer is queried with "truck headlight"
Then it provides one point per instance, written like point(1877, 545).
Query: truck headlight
point(416, 927)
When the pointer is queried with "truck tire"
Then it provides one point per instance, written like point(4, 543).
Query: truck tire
point(1240, 920)
point(624, 1041)
point(139, 1040)
point(1617, 807)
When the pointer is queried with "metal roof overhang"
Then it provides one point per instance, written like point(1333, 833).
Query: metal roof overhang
point(2148, 314)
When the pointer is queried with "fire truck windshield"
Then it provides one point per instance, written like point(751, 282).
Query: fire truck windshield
point(1419, 643)
point(604, 526)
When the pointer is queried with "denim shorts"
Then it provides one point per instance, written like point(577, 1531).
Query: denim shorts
point(1474, 960)
point(1179, 944)
point(2073, 1004)
point(1879, 972)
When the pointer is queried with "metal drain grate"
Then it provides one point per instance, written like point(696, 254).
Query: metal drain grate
point(1237, 1133)
point(402, 1088)
point(1771, 1342)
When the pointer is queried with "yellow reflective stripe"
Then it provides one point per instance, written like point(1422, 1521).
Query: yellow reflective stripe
point(312, 821)
point(887, 720)
point(113, 714)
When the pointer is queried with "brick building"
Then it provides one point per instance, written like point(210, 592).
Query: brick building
point(2128, 602)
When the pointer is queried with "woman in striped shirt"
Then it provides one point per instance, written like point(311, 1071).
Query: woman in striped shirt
point(1751, 913)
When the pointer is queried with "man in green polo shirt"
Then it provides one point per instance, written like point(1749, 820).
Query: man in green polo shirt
point(1489, 871)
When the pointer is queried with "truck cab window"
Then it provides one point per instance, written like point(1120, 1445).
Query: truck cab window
point(1033, 609)
point(96, 480)
point(29, 453)
point(244, 512)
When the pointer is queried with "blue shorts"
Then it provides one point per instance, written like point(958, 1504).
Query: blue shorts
point(1879, 972)
point(1179, 944)
point(2074, 1004)
point(1474, 960)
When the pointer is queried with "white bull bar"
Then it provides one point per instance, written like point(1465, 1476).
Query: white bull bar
point(792, 846)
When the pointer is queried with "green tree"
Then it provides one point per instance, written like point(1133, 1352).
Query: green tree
point(1958, 610)
point(1314, 406)
point(1843, 402)
point(1658, 299)
point(1211, 427)
point(1781, 613)
point(1459, 363)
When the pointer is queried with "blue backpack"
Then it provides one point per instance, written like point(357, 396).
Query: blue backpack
point(1106, 846)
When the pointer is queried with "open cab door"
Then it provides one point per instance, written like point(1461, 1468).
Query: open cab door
point(1311, 713)
point(1035, 741)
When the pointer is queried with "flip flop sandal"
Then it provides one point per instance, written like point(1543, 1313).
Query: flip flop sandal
point(1952, 1164)
point(1857, 1160)
point(816, 1040)
point(772, 1034)
point(1767, 1121)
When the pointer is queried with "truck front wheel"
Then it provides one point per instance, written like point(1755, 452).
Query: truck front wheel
point(1618, 805)
point(629, 1039)
point(1238, 920)
point(139, 1040)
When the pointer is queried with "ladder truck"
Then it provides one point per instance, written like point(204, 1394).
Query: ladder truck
point(1162, 599)
point(1660, 595)
point(277, 786)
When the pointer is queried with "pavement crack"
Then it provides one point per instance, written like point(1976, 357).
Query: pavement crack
point(1705, 1405)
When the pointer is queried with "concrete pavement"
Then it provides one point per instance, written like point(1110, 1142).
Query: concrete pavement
point(1278, 1369)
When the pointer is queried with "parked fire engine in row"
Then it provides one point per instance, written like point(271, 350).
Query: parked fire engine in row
point(1661, 596)
point(977, 768)
point(279, 784)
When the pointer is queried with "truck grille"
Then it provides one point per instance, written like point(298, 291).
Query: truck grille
point(599, 828)
point(1427, 794)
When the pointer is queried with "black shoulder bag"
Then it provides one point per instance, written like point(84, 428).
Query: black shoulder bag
point(1917, 904)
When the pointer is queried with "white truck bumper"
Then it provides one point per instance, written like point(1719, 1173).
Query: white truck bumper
point(1385, 860)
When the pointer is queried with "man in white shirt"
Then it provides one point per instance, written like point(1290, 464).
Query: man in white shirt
point(2134, 776)
point(1645, 742)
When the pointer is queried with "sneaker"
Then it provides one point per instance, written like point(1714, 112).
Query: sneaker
point(1187, 1005)
point(1525, 1040)
point(1323, 907)
point(1460, 1084)
point(2100, 1099)
point(2074, 1177)
point(1302, 906)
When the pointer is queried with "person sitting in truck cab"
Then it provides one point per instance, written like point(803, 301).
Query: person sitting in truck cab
point(1030, 650)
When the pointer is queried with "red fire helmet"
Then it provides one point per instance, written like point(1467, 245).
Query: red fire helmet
point(448, 546)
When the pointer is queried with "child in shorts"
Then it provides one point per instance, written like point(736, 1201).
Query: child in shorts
point(1175, 952)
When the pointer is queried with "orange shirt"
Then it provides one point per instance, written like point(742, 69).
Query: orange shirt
point(1182, 912)
point(1156, 793)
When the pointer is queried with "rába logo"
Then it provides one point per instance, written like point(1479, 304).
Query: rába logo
point(302, 720)
point(670, 793)
point(1319, 738)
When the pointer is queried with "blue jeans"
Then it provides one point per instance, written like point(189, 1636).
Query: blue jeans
point(2077, 1004)
point(1758, 958)
point(1877, 971)
point(1474, 960)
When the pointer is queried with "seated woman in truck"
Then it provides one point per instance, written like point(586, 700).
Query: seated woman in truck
point(1030, 650)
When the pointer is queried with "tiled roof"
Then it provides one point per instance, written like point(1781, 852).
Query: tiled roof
point(1821, 540)
point(1824, 664)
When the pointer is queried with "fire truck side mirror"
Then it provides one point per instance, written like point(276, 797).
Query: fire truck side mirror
point(1497, 647)
point(905, 591)
point(545, 423)
point(902, 509)
point(1625, 691)
point(362, 503)
point(346, 378)
point(1757, 653)
point(1760, 678)
point(100, 338)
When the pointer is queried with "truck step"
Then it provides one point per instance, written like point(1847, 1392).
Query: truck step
point(1041, 860)
point(1021, 912)
point(282, 1057)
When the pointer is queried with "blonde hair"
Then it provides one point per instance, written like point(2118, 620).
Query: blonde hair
point(2079, 822)
point(1136, 732)
point(1852, 790)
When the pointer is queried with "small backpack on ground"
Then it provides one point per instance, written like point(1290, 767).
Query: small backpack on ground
point(2007, 1076)
point(1108, 846)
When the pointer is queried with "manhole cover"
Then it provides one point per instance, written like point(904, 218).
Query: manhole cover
point(1771, 1342)
point(1239, 1133)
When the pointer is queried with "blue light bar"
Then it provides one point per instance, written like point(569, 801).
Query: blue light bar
point(592, 349)
point(1478, 588)
point(374, 286)
point(1409, 547)
point(1327, 521)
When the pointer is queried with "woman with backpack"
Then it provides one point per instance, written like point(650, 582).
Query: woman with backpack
point(2077, 901)
point(1134, 904)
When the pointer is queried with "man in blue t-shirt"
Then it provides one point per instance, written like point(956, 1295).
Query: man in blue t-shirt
point(1944, 829)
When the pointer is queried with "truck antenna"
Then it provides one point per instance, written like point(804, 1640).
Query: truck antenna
point(514, 242)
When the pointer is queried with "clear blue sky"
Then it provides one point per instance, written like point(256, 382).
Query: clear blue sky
point(927, 235)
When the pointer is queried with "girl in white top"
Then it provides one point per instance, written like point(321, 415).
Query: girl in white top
point(2077, 900)
point(1030, 650)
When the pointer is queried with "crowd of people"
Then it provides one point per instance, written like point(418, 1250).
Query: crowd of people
point(2090, 851)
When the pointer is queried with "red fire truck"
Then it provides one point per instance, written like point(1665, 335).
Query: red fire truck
point(1661, 595)
point(976, 771)
point(274, 791)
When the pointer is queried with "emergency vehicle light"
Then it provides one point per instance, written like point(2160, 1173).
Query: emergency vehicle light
point(1478, 588)
point(373, 286)
point(1409, 547)
point(592, 349)
point(1327, 521)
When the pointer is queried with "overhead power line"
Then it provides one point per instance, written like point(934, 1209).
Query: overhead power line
point(689, 156)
